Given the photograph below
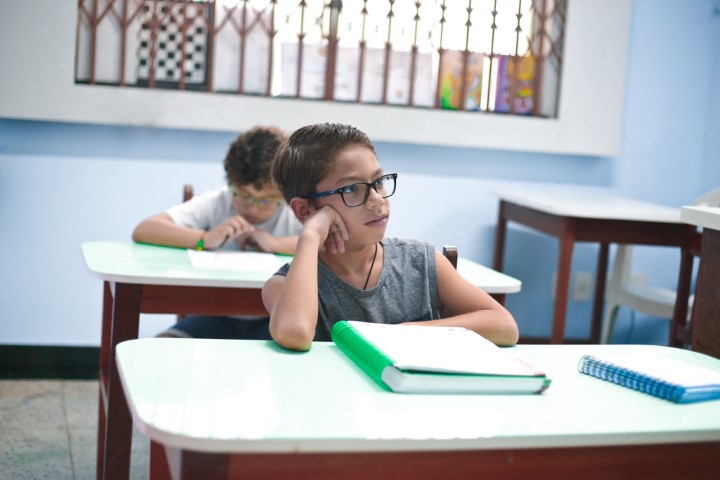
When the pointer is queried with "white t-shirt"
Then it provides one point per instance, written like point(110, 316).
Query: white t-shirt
point(212, 208)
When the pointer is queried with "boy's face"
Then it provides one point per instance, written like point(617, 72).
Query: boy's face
point(366, 223)
point(256, 205)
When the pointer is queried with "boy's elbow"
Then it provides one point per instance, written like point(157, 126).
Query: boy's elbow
point(293, 336)
point(138, 234)
point(510, 333)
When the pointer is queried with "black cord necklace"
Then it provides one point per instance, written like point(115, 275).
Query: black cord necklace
point(371, 268)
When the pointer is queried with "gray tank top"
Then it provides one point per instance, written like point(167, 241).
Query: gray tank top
point(405, 292)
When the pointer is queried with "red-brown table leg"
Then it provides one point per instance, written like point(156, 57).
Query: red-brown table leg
point(118, 422)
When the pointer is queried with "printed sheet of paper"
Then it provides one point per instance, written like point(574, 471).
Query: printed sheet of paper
point(252, 261)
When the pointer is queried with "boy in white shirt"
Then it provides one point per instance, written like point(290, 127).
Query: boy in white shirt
point(249, 213)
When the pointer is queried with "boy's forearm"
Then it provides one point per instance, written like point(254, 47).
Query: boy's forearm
point(285, 245)
point(497, 326)
point(163, 231)
point(294, 316)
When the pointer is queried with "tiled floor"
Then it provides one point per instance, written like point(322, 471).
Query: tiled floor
point(48, 429)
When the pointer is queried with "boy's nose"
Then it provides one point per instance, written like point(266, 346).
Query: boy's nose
point(374, 198)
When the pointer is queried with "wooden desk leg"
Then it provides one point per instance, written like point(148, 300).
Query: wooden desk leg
point(567, 243)
point(679, 334)
point(159, 468)
point(118, 423)
point(599, 298)
point(499, 251)
point(499, 297)
point(706, 310)
point(194, 465)
point(104, 364)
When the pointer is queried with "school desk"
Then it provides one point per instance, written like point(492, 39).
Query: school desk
point(593, 214)
point(148, 279)
point(706, 307)
point(249, 409)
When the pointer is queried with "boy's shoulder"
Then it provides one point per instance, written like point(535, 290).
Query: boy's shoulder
point(403, 250)
point(405, 243)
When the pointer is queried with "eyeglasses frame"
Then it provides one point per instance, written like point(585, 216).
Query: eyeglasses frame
point(372, 184)
point(249, 200)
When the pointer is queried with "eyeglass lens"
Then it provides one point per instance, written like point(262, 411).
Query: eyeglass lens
point(250, 201)
point(358, 193)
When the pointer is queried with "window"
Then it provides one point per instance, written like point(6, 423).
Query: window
point(489, 56)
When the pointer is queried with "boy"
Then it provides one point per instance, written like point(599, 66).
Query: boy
point(343, 267)
point(248, 213)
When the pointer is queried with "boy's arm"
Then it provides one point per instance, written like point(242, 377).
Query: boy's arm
point(465, 305)
point(266, 242)
point(160, 229)
point(293, 300)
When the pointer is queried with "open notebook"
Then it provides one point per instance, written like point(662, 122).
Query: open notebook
point(431, 359)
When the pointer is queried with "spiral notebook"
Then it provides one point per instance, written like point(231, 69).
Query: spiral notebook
point(656, 375)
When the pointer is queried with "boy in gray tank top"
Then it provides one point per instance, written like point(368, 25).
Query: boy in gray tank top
point(344, 268)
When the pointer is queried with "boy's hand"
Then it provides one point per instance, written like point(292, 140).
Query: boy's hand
point(227, 231)
point(330, 228)
point(259, 239)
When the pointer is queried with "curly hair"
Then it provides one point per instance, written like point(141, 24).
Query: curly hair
point(250, 156)
point(309, 154)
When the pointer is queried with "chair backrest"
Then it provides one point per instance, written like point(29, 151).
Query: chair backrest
point(451, 254)
point(708, 199)
point(188, 192)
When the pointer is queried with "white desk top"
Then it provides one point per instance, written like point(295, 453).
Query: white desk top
point(706, 217)
point(585, 202)
point(252, 396)
point(136, 263)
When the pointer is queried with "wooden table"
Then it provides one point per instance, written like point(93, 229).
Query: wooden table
point(588, 214)
point(149, 279)
point(706, 308)
point(249, 409)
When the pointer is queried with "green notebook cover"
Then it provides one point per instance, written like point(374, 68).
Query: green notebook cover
point(371, 360)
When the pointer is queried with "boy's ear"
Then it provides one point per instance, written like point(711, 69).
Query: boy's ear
point(302, 208)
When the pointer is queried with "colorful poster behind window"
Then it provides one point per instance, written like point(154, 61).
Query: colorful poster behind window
point(451, 68)
point(521, 83)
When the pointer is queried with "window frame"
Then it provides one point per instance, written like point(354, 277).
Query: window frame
point(589, 121)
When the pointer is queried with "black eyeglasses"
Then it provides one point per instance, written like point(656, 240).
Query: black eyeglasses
point(356, 194)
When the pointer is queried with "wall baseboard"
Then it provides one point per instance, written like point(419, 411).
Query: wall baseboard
point(44, 362)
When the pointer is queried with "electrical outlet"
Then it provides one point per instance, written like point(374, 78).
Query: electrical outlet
point(582, 286)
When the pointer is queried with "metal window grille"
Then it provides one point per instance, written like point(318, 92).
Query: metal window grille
point(500, 56)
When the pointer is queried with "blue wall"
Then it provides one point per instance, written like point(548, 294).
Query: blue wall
point(62, 184)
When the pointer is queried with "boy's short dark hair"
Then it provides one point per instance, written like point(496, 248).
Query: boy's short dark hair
point(249, 159)
point(308, 156)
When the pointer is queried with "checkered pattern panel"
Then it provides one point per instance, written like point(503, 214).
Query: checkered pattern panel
point(169, 64)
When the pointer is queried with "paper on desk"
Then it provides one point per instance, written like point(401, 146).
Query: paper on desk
point(254, 261)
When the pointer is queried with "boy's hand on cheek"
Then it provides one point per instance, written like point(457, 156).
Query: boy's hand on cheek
point(330, 228)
